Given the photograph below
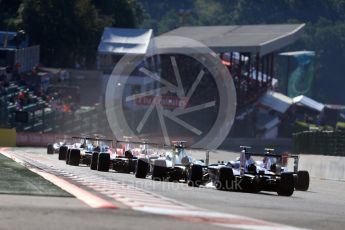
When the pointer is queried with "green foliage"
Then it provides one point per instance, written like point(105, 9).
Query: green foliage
point(68, 31)
point(261, 11)
point(17, 179)
point(166, 15)
point(8, 14)
point(170, 20)
point(121, 13)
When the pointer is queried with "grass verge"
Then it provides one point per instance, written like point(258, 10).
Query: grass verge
point(17, 180)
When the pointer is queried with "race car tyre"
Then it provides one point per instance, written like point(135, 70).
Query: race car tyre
point(74, 157)
point(225, 178)
point(176, 174)
point(302, 181)
point(159, 170)
point(63, 152)
point(142, 168)
point(195, 176)
point(50, 149)
point(286, 185)
point(94, 161)
point(68, 155)
point(103, 162)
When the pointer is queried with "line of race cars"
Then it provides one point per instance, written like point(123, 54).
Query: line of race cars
point(250, 172)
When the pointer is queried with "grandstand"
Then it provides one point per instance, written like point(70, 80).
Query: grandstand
point(23, 109)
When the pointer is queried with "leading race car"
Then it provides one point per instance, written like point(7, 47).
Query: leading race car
point(243, 175)
point(169, 166)
point(60, 141)
point(301, 177)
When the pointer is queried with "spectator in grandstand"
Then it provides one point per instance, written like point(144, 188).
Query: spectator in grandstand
point(21, 99)
point(66, 108)
point(21, 95)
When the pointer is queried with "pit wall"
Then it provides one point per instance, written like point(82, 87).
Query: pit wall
point(37, 139)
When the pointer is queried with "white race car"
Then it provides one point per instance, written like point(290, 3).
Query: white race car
point(244, 174)
point(170, 165)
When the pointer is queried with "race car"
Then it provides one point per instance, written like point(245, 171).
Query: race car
point(127, 155)
point(124, 158)
point(169, 166)
point(301, 177)
point(64, 150)
point(54, 147)
point(84, 150)
point(243, 175)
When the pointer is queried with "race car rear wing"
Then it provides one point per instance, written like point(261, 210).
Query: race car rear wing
point(281, 160)
point(274, 155)
point(92, 138)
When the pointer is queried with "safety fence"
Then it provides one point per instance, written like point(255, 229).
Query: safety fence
point(319, 143)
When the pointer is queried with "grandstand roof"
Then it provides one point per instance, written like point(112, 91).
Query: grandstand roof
point(124, 41)
point(262, 39)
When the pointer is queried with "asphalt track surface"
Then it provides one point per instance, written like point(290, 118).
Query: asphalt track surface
point(147, 204)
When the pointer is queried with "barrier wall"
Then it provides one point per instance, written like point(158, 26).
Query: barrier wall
point(36, 139)
point(323, 167)
point(7, 137)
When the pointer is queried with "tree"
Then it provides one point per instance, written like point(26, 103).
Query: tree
point(170, 21)
point(261, 11)
point(67, 31)
point(121, 13)
point(214, 12)
point(8, 14)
